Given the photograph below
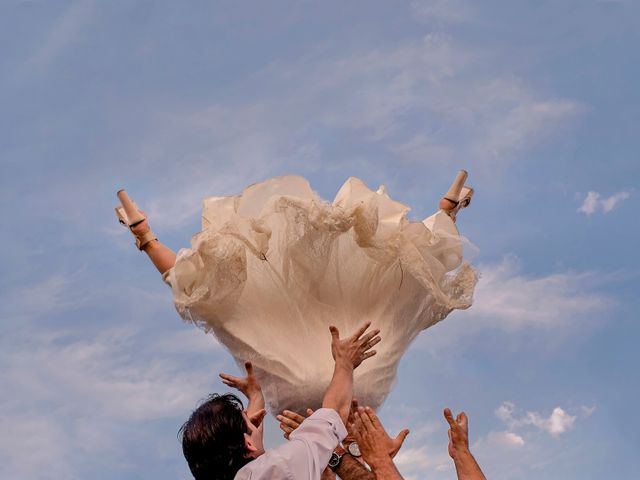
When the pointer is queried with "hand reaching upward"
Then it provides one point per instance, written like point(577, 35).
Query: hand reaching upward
point(248, 385)
point(354, 349)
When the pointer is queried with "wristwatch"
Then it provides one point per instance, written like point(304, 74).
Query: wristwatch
point(336, 457)
point(354, 449)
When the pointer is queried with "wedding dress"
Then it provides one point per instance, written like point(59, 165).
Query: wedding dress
point(273, 267)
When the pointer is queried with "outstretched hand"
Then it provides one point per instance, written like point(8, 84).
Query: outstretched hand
point(289, 421)
point(458, 433)
point(248, 385)
point(356, 348)
point(367, 426)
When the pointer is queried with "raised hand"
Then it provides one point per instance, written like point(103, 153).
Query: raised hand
point(248, 385)
point(393, 445)
point(374, 443)
point(289, 421)
point(466, 466)
point(353, 350)
point(458, 433)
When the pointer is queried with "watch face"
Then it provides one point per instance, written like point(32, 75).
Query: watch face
point(354, 449)
point(334, 461)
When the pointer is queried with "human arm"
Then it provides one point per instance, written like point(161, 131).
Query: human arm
point(373, 442)
point(349, 467)
point(466, 466)
point(251, 389)
point(348, 353)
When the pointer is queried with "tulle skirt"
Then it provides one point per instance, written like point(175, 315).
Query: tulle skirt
point(274, 267)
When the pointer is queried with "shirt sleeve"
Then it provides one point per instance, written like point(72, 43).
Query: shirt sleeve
point(310, 446)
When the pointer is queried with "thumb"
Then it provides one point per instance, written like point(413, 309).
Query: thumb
point(335, 334)
point(256, 418)
point(402, 436)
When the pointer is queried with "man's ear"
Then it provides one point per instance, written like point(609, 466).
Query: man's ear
point(250, 447)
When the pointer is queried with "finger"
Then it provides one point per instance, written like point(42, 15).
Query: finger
point(257, 417)
point(363, 328)
point(335, 334)
point(372, 342)
point(375, 421)
point(293, 416)
point(366, 420)
point(286, 435)
point(309, 412)
point(463, 421)
point(249, 368)
point(289, 421)
point(368, 354)
point(358, 428)
point(286, 428)
point(449, 417)
point(229, 378)
point(399, 440)
point(367, 338)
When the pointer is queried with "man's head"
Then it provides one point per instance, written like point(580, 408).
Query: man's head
point(218, 439)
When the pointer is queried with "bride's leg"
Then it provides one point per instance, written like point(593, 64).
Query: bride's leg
point(130, 216)
point(457, 197)
point(160, 255)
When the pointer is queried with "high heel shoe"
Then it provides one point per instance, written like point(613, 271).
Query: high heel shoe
point(129, 216)
point(457, 197)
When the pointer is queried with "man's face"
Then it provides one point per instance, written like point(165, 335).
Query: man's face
point(253, 439)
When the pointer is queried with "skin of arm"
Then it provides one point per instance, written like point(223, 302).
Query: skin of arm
point(348, 353)
point(350, 468)
point(466, 466)
point(251, 389)
point(161, 256)
point(373, 442)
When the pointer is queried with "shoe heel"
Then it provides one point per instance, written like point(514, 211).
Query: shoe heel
point(453, 193)
point(133, 216)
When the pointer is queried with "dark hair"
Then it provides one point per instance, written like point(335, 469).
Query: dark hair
point(213, 438)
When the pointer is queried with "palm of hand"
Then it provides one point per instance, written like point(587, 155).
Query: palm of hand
point(458, 435)
point(247, 385)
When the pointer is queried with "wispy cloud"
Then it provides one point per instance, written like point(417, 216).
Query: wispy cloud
point(66, 396)
point(594, 202)
point(445, 11)
point(510, 299)
point(62, 33)
point(557, 423)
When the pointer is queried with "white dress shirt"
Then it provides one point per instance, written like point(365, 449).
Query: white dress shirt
point(305, 455)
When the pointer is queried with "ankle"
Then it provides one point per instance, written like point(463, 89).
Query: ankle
point(447, 205)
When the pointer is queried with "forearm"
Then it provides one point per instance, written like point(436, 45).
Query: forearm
point(161, 256)
point(351, 469)
point(340, 391)
point(386, 471)
point(256, 402)
point(327, 474)
point(467, 468)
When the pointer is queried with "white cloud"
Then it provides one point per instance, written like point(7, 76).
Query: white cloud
point(558, 422)
point(593, 202)
point(505, 439)
point(91, 396)
point(379, 95)
point(507, 298)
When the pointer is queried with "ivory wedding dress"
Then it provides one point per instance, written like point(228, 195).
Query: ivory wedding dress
point(273, 267)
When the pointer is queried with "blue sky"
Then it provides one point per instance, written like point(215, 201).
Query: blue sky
point(175, 101)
